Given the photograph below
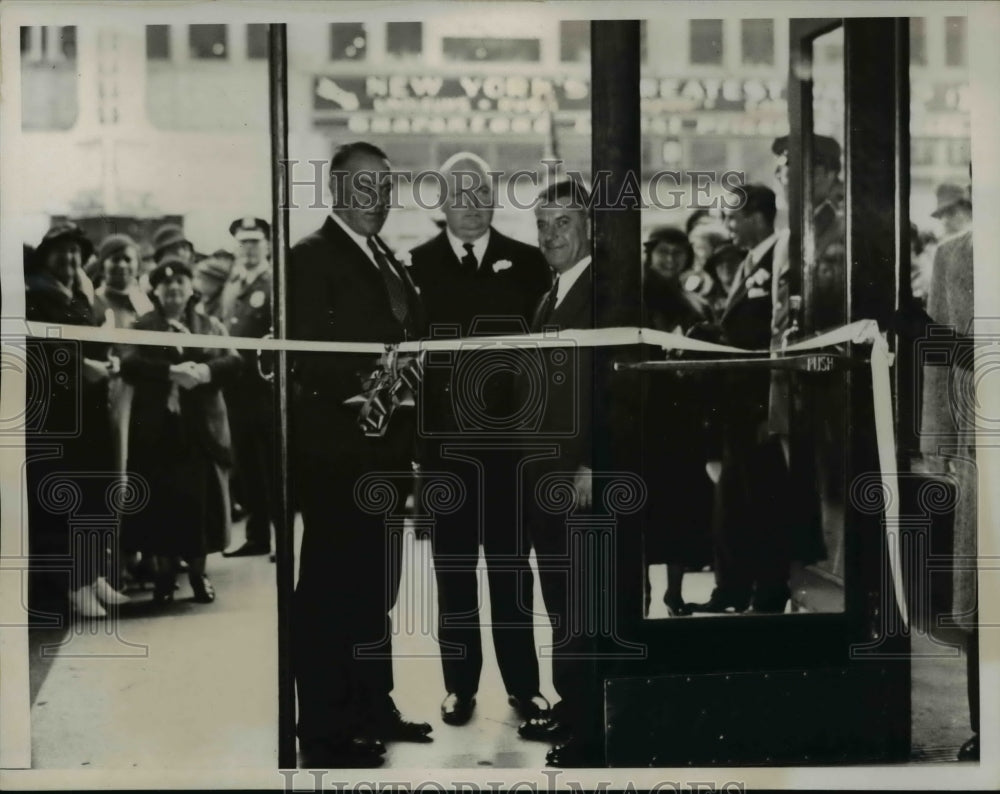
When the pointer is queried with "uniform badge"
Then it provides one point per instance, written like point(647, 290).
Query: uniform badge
point(257, 299)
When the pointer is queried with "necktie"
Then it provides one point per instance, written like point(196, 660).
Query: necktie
point(393, 283)
point(550, 304)
point(741, 274)
point(469, 262)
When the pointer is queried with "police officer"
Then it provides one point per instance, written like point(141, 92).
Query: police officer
point(246, 311)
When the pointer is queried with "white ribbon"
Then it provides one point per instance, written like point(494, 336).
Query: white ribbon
point(860, 332)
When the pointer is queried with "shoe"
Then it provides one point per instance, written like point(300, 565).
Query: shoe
point(204, 593)
point(83, 602)
point(457, 710)
point(722, 601)
point(248, 549)
point(572, 754)
point(357, 753)
point(543, 728)
point(676, 606)
point(393, 727)
point(770, 600)
point(107, 595)
point(529, 707)
point(970, 750)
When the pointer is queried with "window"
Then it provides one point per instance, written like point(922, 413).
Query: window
point(257, 41)
point(918, 41)
point(757, 41)
point(158, 42)
point(958, 151)
point(348, 41)
point(207, 42)
point(522, 50)
point(923, 151)
point(574, 41)
point(707, 154)
point(954, 41)
point(705, 41)
point(403, 39)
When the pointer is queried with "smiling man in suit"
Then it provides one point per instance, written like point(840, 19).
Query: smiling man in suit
point(345, 285)
point(751, 542)
point(574, 723)
point(474, 281)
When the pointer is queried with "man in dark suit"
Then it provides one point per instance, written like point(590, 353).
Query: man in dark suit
point(474, 280)
point(345, 285)
point(751, 538)
point(574, 723)
point(245, 305)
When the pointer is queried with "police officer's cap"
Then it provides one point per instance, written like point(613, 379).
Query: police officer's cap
point(250, 228)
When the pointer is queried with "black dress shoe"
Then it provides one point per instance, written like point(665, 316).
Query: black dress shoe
point(970, 750)
point(543, 728)
point(392, 727)
point(722, 601)
point(456, 709)
point(204, 593)
point(529, 707)
point(676, 606)
point(248, 550)
point(770, 600)
point(572, 753)
point(357, 753)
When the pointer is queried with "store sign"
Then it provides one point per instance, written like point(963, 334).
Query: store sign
point(431, 104)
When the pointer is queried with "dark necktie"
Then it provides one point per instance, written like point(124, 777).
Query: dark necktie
point(393, 283)
point(549, 306)
point(469, 262)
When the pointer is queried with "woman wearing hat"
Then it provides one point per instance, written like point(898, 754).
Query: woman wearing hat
point(179, 435)
point(68, 402)
point(680, 493)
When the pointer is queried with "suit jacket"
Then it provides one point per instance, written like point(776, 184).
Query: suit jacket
point(336, 294)
point(746, 323)
point(147, 368)
point(489, 301)
point(567, 410)
point(453, 296)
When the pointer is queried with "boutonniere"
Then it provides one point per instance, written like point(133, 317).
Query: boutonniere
point(404, 258)
point(503, 264)
point(759, 278)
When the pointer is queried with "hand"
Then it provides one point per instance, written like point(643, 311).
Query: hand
point(714, 470)
point(183, 376)
point(583, 484)
point(95, 371)
point(114, 365)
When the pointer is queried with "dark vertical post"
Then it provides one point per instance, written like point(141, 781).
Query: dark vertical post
point(278, 86)
point(617, 168)
point(875, 125)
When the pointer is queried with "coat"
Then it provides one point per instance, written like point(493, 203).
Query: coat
point(492, 300)
point(337, 294)
point(184, 457)
point(945, 428)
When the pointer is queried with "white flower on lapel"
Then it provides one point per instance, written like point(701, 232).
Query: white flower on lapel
point(759, 278)
point(756, 292)
point(404, 258)
point(503, 264)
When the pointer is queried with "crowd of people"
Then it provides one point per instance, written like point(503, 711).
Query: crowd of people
point(178, 419)
point(181, 419)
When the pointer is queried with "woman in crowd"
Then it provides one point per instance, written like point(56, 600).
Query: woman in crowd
point(680, 500)
point(67, 435)
point(179, 435)
point(722, 266)
point(118, 303)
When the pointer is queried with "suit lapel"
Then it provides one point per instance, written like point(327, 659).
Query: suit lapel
point(576, 303)
point(737, 296)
